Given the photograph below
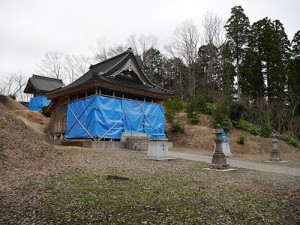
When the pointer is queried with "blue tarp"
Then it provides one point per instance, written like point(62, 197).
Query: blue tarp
point(38, 102)
point(225, 138)
point(100, 116)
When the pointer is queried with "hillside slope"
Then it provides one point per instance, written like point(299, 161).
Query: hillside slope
point(199, 139)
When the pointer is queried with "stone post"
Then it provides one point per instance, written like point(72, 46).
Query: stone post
point(219, 159)
point(275, 153)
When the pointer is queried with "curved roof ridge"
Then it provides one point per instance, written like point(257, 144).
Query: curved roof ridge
point(110, 59)
point(116, 66)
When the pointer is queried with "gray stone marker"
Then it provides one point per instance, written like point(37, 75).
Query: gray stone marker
point(219, 159)
point(158, 149)
point(275, 153)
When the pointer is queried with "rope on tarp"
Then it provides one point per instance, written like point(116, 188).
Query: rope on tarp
point(117, 121)
point(147, 118)
point(77, 119)
point(81, 124)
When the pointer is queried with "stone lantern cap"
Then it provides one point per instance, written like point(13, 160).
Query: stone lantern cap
point(274, 134)
point(219, 130)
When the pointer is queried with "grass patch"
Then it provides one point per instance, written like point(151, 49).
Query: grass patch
point(81, 197)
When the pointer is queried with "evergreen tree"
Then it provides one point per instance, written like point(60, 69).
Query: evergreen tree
point(176, 76)
point(252, 81)
point(271, 48)
point(294, 76)
point(237, 29)
point(153, 66)
point(226, 71)
point(207, 69)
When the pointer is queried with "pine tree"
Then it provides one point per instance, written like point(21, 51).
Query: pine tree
point(237, 29)
point(153, 66)
point(252, 82)
point(294, 76)
point(226, 71)
point(207, 69)
point(271, 46)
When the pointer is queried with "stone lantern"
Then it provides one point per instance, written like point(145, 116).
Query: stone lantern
point(219, 159)
point(275, 153)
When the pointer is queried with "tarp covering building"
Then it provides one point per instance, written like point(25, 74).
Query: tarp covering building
point(105, 117)
point(37, 103)
point(77, 113)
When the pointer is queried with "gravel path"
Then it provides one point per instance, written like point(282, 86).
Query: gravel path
point(267, 167)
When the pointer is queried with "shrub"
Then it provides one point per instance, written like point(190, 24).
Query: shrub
point(197, 104)
point(194, 119)
point(290, 139)
point(210, 107)
point(173, 105)
point(176, 128)
point(241, 140)
point(247, 126)
point(266, 128)
point(221, 116)
point(236, 111)
point(169, 116)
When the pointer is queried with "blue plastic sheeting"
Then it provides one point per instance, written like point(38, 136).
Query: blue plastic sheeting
point(100, 116)
point(38, 102)
point(225, 138)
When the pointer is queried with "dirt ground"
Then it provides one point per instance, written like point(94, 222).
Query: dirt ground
point(26, 160)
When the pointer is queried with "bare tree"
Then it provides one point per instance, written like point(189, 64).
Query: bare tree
point(104, 50)
point(147, 42)
point(13, 85)
point(82, 63)
point(213, 28)
point(70, 69)
point(52, 65)
point(100, 51)
point(75, 66)
point(7, 85)
point(19, 82)
point(184, 45)
point(133, 44)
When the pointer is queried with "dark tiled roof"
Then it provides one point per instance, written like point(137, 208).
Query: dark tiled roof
point(127, 82)
point(105, 69)
point(42, 84)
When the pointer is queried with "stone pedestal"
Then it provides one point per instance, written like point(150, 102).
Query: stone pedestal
point(158, 149)
point(226, 148)
point(275, 153)
point(219, 159)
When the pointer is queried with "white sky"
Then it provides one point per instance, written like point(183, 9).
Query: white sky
point(30, 28)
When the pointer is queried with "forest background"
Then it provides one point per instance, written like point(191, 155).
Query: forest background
point(244, 75)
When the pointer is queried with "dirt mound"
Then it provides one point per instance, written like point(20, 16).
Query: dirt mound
point(18, 143)
point(9, 104)
point(35, 120)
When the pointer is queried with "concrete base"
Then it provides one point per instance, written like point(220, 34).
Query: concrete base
point(218, 166)
point(160, 159)
point(135, 141)
point(274, 161)
point(102, 144)
point(158, 148)
point(221, 170)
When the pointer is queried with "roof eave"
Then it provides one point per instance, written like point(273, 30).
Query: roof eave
point(96, 82)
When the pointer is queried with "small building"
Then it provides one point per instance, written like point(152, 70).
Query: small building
point(113, 97)
point(38, 86)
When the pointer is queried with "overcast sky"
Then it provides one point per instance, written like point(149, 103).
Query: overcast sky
point(30, 28)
